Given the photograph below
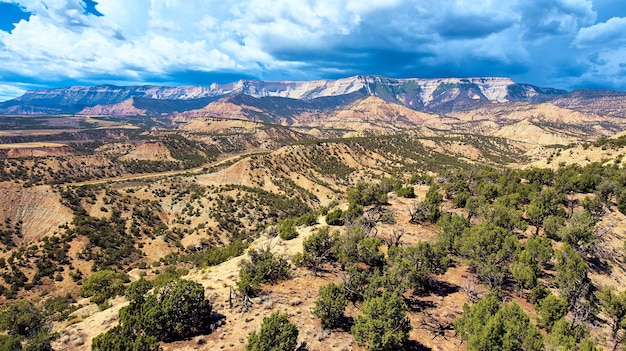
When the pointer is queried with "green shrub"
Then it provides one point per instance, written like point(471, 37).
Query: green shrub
point(277, 334)
point(104, 285)
point(335, 217)
point(262, 267)
point(383, 325)
point(174, 311)
point(407, 191)
point(330, 305)
point(287, 229)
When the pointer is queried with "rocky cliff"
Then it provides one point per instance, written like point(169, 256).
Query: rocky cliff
point(433, 95)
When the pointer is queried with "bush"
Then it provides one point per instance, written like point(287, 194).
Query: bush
point(407, 191)
point(317, 249)
point(383, 325)
point(277, 334)
point(26, 327)
point(552, 309)
point(262, 267)
point(178, 310)
point(308, 219)
point(104, 285)
point(335, 217)
point(330, 305)
point(175, 311)
point(486, 326)
point(287, 230)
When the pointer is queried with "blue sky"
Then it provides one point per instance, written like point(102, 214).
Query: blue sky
point(565, 44)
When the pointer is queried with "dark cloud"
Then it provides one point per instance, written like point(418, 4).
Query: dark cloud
point(461, 26)
point(10, 14)
point(541, 18)
point(557, 43)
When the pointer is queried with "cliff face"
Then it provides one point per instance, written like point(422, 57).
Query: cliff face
point(124, 108)
point(434, 95)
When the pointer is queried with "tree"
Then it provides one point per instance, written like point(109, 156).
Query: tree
point(383, 325)
point(366, 194)
point(473, 319)
point(277, 334)
point(317, 249)
point(551, 310)
point(572, 280)
point(355, 246)
point(262, 267)
point(540, 249)
point(486, 326)
point(335, 217)
point(21, 318)
point(26, 326)
point(621, 201)
point(412, 267)
point(546, 203)
point(525, 270)
point(613, 304)
point(564, 336)
point(509, 329)
point(552, 226)
point(407, 191)
point(104, 285)
point(429, 209)
point(579, 231)
point(174, 311)
point(178, 310)
point(490, 249)
point(330, 305)
point(451, 229)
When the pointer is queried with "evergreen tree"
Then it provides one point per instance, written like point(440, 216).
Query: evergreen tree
point(277, 334)
point(330, 305)
point(383, 325)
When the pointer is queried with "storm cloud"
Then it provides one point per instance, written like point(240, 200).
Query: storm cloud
point(558, 43)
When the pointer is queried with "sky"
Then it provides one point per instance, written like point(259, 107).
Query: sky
point(567, 44)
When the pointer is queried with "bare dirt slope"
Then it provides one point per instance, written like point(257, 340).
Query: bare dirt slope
point(39, 208)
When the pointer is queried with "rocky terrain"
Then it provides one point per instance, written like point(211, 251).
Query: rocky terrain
point(434, 95)
point(163, 183)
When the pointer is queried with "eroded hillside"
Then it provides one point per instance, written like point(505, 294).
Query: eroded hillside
point(438, 210)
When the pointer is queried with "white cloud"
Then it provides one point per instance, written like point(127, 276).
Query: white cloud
point(8, 92)
point(605, 35)
point(142, 39)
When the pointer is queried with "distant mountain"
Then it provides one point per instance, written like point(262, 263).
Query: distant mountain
point(603, 102)
point(432, 95)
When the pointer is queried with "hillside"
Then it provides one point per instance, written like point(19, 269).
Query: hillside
point(434, 193)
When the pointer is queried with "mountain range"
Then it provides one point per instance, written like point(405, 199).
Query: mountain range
point(488, 106)
point(431, 95)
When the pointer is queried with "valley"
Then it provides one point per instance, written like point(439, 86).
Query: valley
point(443, 194)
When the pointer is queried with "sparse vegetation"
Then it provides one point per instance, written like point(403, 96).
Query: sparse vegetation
point(408, 214)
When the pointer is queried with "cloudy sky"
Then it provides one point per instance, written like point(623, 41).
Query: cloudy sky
point(557, 43)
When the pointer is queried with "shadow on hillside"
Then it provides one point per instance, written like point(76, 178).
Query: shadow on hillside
point(346, 323)
point(416, 305)
point(413, 345)
point(216, 320)
point(599, 266)
point(444, 289)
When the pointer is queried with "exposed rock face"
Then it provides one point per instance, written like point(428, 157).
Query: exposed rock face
point(435, 95)
point(149, 152)
point(124, 108)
